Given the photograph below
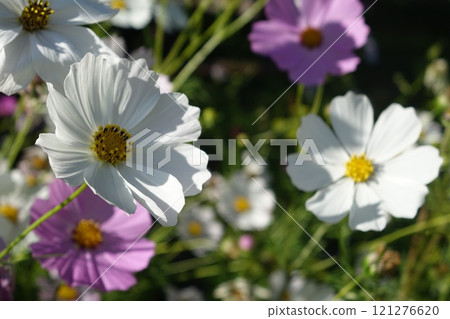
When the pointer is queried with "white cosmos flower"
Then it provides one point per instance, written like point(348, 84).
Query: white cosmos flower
point(431, 131)
point(244, 204)
point(106, 106)
point(296, 287)
point(132, 13)
point(200, 223)
point(45, 38)
point(373, 171)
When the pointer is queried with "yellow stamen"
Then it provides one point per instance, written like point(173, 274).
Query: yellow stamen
point(111, 144)
point(9, 212)
point(195, 228)
point(311, 38)
point(359, 168)
point(35, 16)
point(241, 204)
point(66, 293)
point(87, 234)
point(118, 4)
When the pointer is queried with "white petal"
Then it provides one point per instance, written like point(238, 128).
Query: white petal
point(396, 129)
point(332, 203)
point(313, 127)
point(54, 50)
point(16, 70)
point(366, 213)
point(79, 12)
point(419, 164)
point(68, 162)
point(13, 7)
point(72, 125)
point(188, 164)
point(10, 26)
point(106, 182)
point(160, 193)
point(310, 176)
point(400, 197)
point(352, 119)
point(173, 117)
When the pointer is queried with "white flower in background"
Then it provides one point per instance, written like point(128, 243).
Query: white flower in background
point(190, 293)
point(16, 198)
point(252, 168)
point(132, 13)
point(200, 223)
point(296, 287)
point(45, 38)
point(212, 190)
point(172, 15)
point(239, 289)
point(244, 204)
point(373, 171)
point(105, 107)
point(431, 131)
point(436, 76)
point(35, 167)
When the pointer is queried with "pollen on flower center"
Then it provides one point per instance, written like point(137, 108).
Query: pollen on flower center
point(195, 228)
point(311, 38)
point(66, 293)
point(359, 168)
point(111, 144)
point(87, 234)
point(35, 16)
point(118, 4)
point(241, 204)
point(9, 212)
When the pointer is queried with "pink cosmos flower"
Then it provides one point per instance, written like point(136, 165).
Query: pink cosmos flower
point(87, 236)
point(8, 105)
point(298, 33)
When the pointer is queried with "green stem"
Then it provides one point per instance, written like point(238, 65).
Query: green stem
point(312, 244)
point(299, 98)
point(317, 100)
point(42, 219)
point(20, 139)
point(214, 41)
point(445, 140)
point(159, 39)
point(416, 228)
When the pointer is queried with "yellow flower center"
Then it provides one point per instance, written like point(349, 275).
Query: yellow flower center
point(66, 293)
point(36, 15)
point(87, 234)
point(311, 38)
point(111, 144)
point(241, 204)
point(195, 228)
point(31, 180)
point(38, 162)
point(9, 212)
point(118, 4)
point(359, 168)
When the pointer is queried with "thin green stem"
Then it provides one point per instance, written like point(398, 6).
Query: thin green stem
point(20, 139)
point(214, 41)
point(299, 98)
point(416, 228)
point(317, 100)
point(312, 244)
point(445, 141)
point(159, 39)
point(42, 219)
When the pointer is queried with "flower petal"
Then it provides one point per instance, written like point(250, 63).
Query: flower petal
point(55, 49)
point(396, 129)
point(16, 70)
point(173, 117)
point(106, 182)
point(282, 10)
point(400, 197)
point(352, 120)
point(67, 161)
point(419, 164)
point(160, 193)
point(332, 203)
point(80, 12)
point(136, 258)
point(367, 213)
point(315, 129)
point(310, 176)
